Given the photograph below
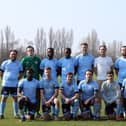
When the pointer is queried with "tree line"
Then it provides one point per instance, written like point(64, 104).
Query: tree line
point(58, 40)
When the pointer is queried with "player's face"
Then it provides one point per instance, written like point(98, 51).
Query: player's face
point(29, 73)
point(67, 53)
point(84, 49)
point(47, 73)
point(50, 53)
point(13, 55)
point(69, 78)
point(30, 52)
point(88, 75)
point(123, 51)
point(110, 77)
point(102, 51)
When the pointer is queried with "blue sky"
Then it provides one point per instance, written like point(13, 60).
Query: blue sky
point(107, 17)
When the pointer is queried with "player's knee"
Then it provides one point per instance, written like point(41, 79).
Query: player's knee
point(56, 101)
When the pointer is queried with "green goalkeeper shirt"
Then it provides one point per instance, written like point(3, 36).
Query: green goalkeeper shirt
point(31, 62)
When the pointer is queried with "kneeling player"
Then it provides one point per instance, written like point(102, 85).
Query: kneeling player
point(27, 90)
point(111, 95)
point(69, 94)
point(89, 96)
point(49, 93)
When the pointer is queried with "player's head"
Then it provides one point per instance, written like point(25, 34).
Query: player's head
point(67, 52)
point(30, 51)
point(110, 75)
point(47, 72)
point(102, 50)
point(29, 73)
point(123, 51)
point(84, 47)
point(50, 53)
point(88, 75)
point(69, 77)
point(13, 55)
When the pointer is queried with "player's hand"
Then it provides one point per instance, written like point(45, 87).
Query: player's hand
point(47, 103)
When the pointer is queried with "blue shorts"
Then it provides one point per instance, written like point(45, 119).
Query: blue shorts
point(6, 91)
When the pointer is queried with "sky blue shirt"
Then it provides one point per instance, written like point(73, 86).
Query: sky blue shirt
point(87, 89)
point(120, 64)
point(29, 88)
point(52, 63)
point(69, 90)
point(11, 72)
point(48, 86)
point(124, 85)
point(84, 62)
point(110, 91)
point(67, 65)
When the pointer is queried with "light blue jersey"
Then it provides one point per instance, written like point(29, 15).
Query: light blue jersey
point(124, 85)
point(120, 65)
point(84, 62)
point(48, 86)
point(69, 90)
point(110, 91)
point(87, 89)
point(11, 71)
point(67, 65)
point(29, 88)
point(52, 63)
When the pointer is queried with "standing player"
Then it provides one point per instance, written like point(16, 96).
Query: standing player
point(67, 64)
point(120, 66)
point(49, 93)
point(27, 92)
point(85, 61)
point(11, 70)
point(102, 65)
point(111, 94)
point(89, 96)
point(51, 62)
point(69, 95)
point(33, 62)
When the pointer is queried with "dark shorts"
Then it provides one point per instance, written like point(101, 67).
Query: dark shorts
point(28, 105)
point(47, 109)
point(109, 108)
point(66, 108)
point(6, 91)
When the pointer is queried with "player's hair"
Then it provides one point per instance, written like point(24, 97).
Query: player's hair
point(47, 68)
point(89, 71)
point(69, 73)
point(30, 69)
point(68, 49)
point(13, 50)
point(30, 47)
point(84, 43)
point(110, 72)
point(104, 46)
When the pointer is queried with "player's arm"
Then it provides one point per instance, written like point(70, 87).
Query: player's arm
point(19, 92)
point(1, 73)
point(95, 70)
point(56, 92)
point(76, 96)
point(20, 75)
point(42, 95)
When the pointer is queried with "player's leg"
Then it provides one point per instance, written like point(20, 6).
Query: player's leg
point(75, 108)
point(66, 111)
point(96, 108)
point(22, 105)
point(4, 93)
point(55, 109)
point(13, 93)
